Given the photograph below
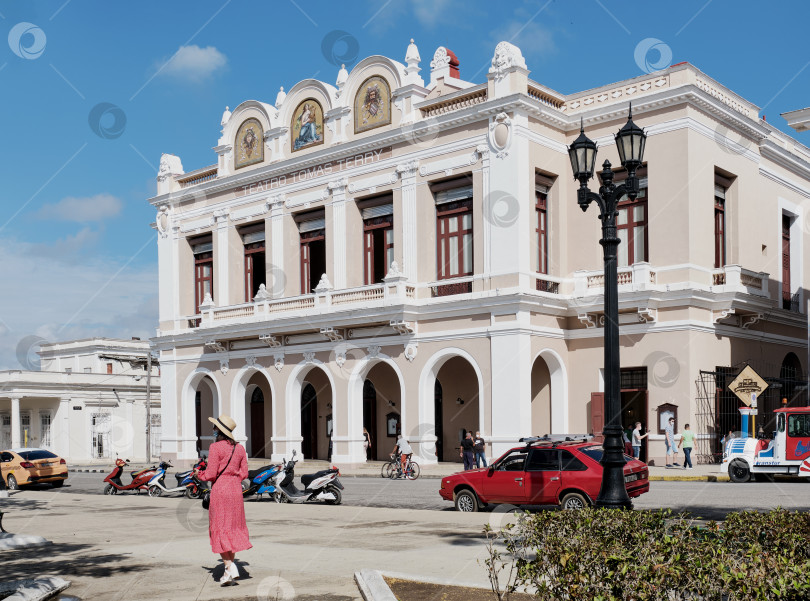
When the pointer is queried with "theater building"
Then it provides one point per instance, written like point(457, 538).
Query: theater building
point(404, 250)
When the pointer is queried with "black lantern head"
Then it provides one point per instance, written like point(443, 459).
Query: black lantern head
point(630, 140)
point(583, 156)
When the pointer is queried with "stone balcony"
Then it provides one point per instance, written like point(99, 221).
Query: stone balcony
point(641, 288)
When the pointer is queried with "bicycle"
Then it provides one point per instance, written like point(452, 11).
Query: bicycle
point(411, 472)
point(389, 467)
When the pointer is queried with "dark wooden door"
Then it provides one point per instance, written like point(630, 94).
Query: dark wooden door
point(309, 422)
point(257, 442)
point(370, 417)
point(597, 415)
point(438, 417)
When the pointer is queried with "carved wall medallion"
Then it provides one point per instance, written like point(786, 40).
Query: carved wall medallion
point(279, 361)
point(309, 356)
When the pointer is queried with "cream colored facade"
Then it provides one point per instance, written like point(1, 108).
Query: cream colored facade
point(516, 352)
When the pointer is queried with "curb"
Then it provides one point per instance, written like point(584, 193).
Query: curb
point(708, 478)
point(372, 586)
point(33, 589)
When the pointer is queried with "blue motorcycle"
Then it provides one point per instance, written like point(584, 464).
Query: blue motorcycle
point(260, 481)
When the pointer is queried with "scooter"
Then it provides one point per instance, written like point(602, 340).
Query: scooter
point(140, 478)
point(261, 481)
point(157, 486)
point(320, 486)
point(196, 488)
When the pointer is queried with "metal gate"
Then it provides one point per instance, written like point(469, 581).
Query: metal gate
point(100, 434)
point(154, 440)
point(5, 431)
point(45, 429)
point(717, 408)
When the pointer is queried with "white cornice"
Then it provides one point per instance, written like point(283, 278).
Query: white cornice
point(787, 183)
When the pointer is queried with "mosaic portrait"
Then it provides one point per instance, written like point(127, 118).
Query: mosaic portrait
point(307, 125)
point(249, 144)
point(372, 104)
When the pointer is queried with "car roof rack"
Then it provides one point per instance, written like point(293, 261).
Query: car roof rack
point(556, 438)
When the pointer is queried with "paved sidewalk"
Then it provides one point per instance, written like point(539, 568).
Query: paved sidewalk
point(137, 547)
point(700, 473)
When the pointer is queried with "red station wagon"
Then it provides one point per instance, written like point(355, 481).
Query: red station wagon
point(543, 472)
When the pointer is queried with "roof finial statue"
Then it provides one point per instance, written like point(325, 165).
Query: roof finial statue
point(343, 75)
point(225, 117)
point(280, 97)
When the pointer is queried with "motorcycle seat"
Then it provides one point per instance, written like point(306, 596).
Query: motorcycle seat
point(180, 477)
point(253, 473)
point(307, 479)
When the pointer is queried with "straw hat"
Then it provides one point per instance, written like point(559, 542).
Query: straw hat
point(225, 424)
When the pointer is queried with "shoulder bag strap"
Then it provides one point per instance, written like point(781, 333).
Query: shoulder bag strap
point(227, 464)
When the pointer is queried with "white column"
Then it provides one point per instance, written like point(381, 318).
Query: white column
point(409, 234)
point(509, 208)
point(168, 282)
point(15, 422)
point(222, 266)
point(511, 389)
point(338, 233)
point(60, 429)
point(277, 282)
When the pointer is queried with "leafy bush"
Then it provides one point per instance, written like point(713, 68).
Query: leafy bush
point(607, 555)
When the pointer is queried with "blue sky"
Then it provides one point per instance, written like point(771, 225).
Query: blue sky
point(94, 91)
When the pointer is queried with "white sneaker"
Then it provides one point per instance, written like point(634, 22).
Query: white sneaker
point(226, 578)
point(233, 571)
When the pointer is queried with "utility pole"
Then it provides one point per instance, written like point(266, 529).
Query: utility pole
point(149, 406)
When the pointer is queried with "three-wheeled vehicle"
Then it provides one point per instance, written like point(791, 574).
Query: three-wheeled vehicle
point(787, 453)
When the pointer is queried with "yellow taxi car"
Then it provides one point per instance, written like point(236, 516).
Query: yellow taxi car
point(32, 466)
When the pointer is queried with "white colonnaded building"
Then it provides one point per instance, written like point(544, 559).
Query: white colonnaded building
point(86, 400)
point(405, 251)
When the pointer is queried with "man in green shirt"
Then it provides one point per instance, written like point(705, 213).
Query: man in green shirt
point(687, 441)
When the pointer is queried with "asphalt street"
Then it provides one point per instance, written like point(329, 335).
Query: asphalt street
point(710, 500)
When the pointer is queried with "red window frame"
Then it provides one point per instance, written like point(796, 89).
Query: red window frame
point(719, 231)
point(251, 250)
point(201, 260)
point(446, 214)
point(308, 238)
point(541, 209)
point(386, 223)
point(630, 225)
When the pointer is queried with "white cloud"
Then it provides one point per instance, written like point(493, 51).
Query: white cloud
point(193, 63)
point(62, 300)
point(83, 209)
point(532, 38)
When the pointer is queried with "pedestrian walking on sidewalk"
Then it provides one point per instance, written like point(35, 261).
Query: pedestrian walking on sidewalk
point(637, 437)
point(227, 467)
point(687, 441)
point(468, 451)
point(669, 440)
point(480, 446)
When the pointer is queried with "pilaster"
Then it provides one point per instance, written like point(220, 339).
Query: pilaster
point(15, 421)
point(407, 172)
point(338, 232)
point(222, 266)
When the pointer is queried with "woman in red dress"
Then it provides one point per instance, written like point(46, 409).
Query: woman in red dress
point(227, 527)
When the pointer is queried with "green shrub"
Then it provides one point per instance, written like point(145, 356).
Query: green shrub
point(606, 555)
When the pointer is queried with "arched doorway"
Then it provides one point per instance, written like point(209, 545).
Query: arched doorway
point(206, 404)
point(382, 409)
point(793, 386)
point(541, 398)
point(255, 425)
point(457, 409)
point(316, 415)
point(252, 408)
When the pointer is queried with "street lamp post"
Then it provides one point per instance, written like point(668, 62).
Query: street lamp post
point(630, 141)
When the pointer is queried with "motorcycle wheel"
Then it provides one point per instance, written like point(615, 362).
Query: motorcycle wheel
point(154, 491)
point(110, 490)
point(335, 491)
point(279, 498)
